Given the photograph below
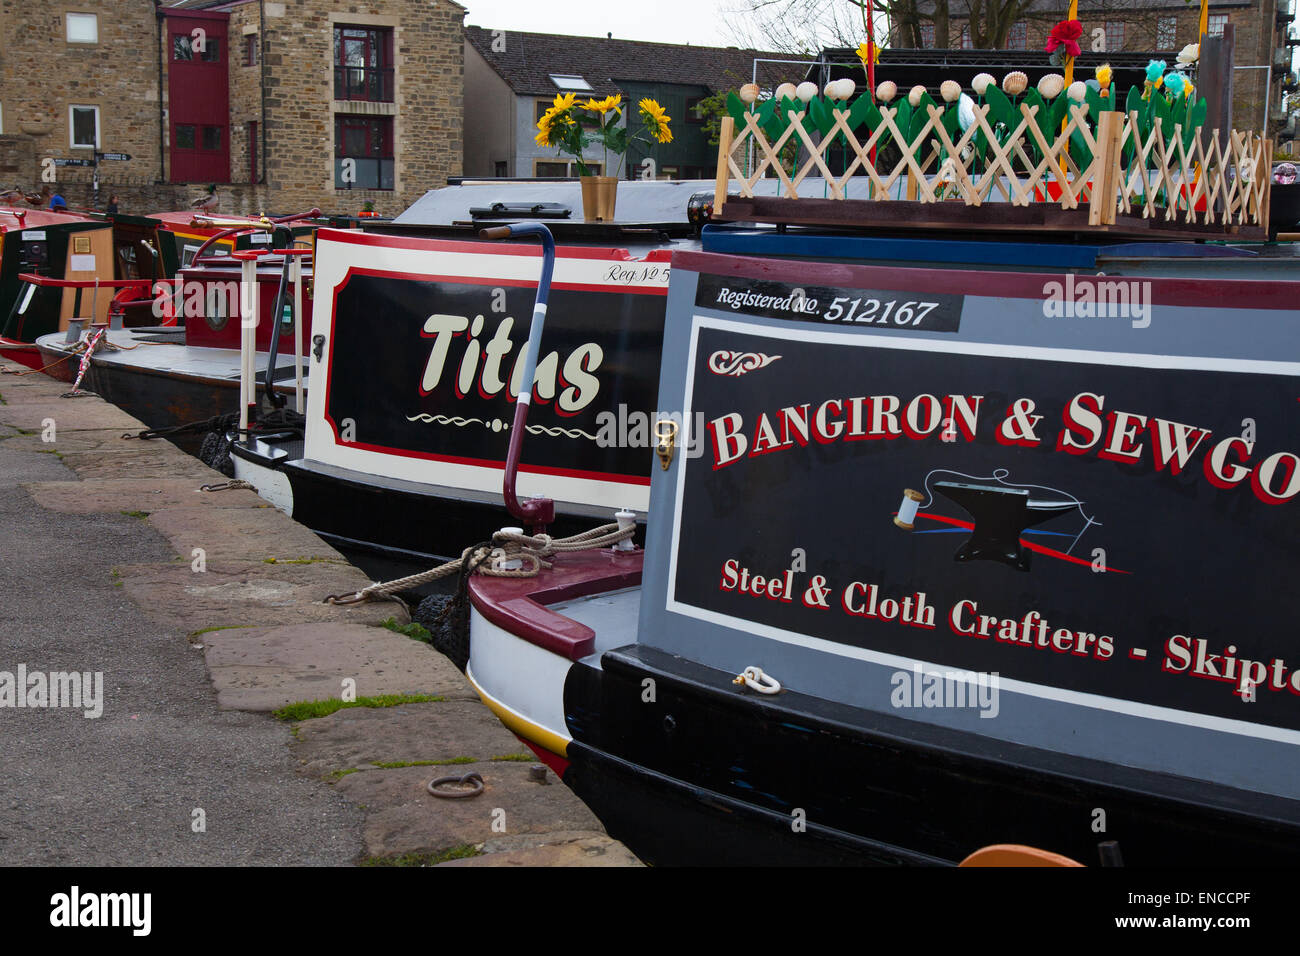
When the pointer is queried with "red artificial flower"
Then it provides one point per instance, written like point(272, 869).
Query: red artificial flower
point(1065, 34)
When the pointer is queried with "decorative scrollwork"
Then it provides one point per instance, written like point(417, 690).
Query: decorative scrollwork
point(738, 363)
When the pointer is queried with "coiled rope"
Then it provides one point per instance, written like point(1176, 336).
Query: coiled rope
point(496, 558)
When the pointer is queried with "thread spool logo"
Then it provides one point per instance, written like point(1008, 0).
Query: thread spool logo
point(1084, 297)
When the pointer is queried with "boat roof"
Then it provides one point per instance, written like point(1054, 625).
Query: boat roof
point(639, 201)
point(38, 218)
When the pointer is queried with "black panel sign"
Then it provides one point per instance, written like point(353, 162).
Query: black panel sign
point(877, 308)
point(435, 372)
point(1130, 533)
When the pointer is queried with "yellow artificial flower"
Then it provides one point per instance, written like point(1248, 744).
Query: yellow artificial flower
point(865, 50)
point(1104, 76)
point(604, 106)
point(658, 119)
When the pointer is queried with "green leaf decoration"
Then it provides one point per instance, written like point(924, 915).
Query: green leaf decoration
point(862, 111)
point(951, 123)
point(1060, 110)
point(821, 115)
point(736, 110)
point(1134, 102)
point(790, 105)
point(1199, 111)
point(1000, 108)
point(1043, 114)
point(920, 117)
point(1093, 99)
point(1162, 112)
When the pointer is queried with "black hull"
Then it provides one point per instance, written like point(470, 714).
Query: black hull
point(399, 521)
point(710, 774)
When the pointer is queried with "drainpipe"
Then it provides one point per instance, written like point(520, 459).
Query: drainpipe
point(162, 122)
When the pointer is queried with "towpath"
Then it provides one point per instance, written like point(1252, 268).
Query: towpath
point(202, 613)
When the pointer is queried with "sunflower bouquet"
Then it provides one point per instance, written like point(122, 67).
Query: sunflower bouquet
point(571, 126)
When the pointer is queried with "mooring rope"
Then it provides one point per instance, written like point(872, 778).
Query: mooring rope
point(492, 558)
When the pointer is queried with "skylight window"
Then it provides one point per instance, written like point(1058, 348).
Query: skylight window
point(571, 82)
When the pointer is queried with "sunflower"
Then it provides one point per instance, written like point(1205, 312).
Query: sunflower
point(656, 120)
point(603, 106)
point(564, 101)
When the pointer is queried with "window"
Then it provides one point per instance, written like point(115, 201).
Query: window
point(1214, 27)
point(252, 152)
point(966, 43)
point(561, 168)
point(363, 152)
point(83, 126)
point(1018, 36)
point(571, 82)
point(927, 36)
point(694, 117)
point(183, 49)
point(499, 169)
point(83, 28)
point(1167, 33)
point(1114, 36)
point(541, 107)
point(250, 50)
point(185, 136)
point(212, 137)
point(363, 64)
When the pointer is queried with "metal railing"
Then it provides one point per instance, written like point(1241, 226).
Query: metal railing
point(371, 83)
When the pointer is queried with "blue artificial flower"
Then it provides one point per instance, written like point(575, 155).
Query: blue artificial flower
point(1155, 70)
point(1175, 83)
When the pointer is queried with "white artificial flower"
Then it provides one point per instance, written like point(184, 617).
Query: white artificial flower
point(1189, 54)
point(1050, 85)
point(886, 91)
point(749, 93)
point(950, 90)
point(1078, 91)
point(784, 91)
point(981, 83)
point(914, 96)
point(806, 91)
point(965, 112)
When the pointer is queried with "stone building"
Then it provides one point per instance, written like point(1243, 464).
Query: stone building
point(1262, 51)
point(282, 105)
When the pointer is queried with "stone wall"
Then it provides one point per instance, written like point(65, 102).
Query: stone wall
point(42, 75)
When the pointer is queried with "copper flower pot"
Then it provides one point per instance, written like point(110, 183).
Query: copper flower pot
point(599, 197)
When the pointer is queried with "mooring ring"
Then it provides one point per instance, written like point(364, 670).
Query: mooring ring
point(472, 778)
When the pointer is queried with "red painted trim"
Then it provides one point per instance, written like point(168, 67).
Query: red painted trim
point(1204, 293)
point(557, 763)
point(520, 605)
point(486, 247)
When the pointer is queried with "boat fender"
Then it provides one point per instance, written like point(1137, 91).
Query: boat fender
point(755, 679)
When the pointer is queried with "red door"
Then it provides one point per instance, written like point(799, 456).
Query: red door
point(199, 97)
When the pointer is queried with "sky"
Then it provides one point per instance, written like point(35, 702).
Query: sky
point(701, 22)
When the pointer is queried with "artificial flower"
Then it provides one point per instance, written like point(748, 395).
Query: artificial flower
point(846, 88)
point(1050, 85)
point(981, 82)
point(785, 91)
point(1014, 83)
point(805, 91)
point(950, 90)
point(1104, 74)
point(868, 49)
point(655, 118)
point(1189, 55)
point(1175, 83)
point(965, 112)
point(1078, 91)
point(914, 95)
point(1066, 35)
point(1155, 70)
point(886, 91)
point(749, 93)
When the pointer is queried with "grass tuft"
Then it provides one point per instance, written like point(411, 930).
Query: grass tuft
point(462, 852)
point(413, 630)
point(310, 709)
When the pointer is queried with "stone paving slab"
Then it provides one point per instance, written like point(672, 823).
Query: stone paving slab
point(592, 849)
point(130, 494)
point(266, 668)
point(69, 414)
point(402, 817)
point(443, 731)
point(96, 439)
point(262, 595)
point(239, 537)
